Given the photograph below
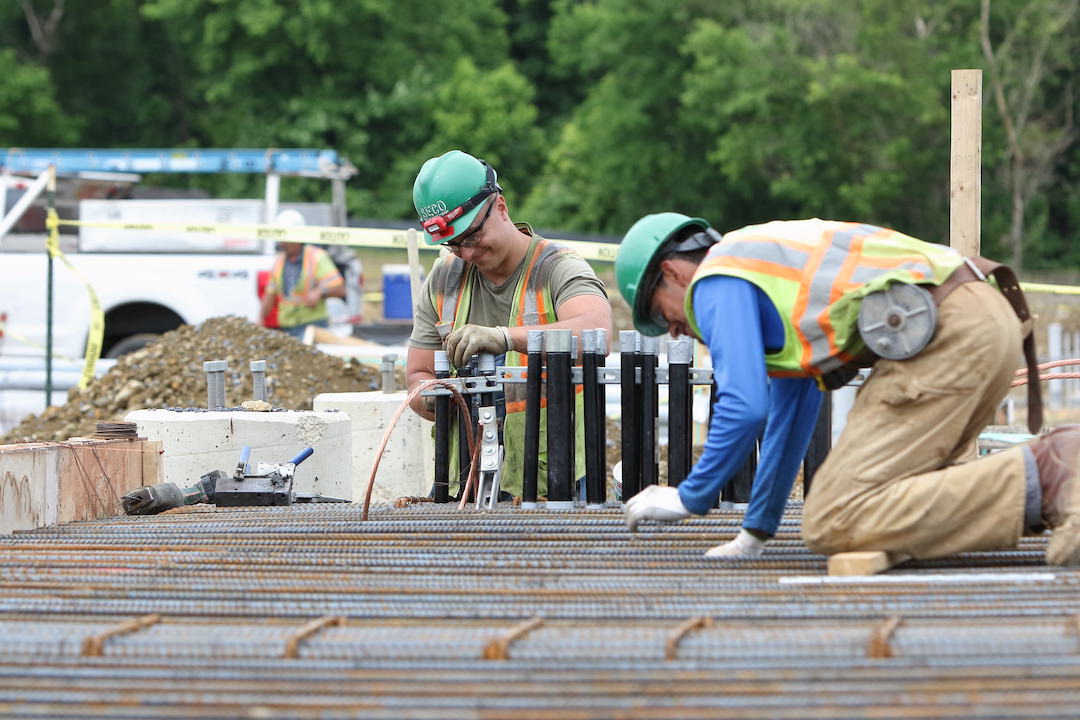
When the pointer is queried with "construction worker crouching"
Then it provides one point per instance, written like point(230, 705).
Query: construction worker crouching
point(500, 281)
point(303, 277)
point(779, 306)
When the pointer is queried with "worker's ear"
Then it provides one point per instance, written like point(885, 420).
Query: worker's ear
point(677, 271)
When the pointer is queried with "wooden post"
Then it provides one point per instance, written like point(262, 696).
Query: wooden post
point(414, 265)
point(965, 183)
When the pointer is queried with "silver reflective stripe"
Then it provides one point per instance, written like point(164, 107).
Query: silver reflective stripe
point(863, 275)
point(451, 288)
point(767, 251)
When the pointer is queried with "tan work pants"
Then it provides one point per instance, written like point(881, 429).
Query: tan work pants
point(890, 482)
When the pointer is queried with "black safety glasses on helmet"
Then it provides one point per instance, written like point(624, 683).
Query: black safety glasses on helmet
point(469, 239)
point(440, 227)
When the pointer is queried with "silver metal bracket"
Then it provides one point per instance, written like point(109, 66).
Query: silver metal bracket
point(491, 459)
point(519, 374)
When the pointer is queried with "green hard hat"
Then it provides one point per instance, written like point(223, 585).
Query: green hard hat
point(636, 265)
point(448, 193)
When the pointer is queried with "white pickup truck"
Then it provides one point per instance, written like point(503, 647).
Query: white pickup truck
point(148, 282)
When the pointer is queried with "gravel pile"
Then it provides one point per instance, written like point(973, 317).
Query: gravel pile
point(169, 373)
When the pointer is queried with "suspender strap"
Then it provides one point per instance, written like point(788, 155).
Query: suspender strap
point(977, 268)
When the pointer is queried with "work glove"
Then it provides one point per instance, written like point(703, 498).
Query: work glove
point(656, 502)
point(470, 340)
point(743, 547)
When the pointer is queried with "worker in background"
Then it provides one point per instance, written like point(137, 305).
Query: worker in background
point(302, 278)
point(778, 305)
point(499, 281)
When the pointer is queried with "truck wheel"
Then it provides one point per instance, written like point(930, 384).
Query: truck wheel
point(130, 344)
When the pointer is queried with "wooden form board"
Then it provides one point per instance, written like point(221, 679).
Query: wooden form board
point(47, 483)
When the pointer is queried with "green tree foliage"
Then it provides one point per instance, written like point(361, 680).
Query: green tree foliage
point(29, 113)
point(593, 111)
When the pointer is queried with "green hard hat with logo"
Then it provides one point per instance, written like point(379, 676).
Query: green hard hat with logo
point(448, 193)
point(637, 266)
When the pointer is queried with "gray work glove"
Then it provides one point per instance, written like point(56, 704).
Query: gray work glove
point(473, 339)
point(656, 502)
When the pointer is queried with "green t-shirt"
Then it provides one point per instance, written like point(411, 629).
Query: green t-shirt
point(570, 276)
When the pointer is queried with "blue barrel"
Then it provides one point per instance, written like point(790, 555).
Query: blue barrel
point(397, 296)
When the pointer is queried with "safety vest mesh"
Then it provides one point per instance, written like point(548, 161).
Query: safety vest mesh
point(816, 273)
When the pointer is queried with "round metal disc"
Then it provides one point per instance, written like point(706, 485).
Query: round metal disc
point(898, 322)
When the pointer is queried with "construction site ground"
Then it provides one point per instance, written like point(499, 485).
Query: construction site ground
point(433, 612)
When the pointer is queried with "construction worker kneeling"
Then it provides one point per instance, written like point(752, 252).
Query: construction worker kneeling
point(790, 309)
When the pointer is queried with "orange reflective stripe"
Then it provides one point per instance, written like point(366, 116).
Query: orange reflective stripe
point(528, 275)
point(803, 298)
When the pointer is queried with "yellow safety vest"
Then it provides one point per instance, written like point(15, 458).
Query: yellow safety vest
point(292, 312)
point(816, 273)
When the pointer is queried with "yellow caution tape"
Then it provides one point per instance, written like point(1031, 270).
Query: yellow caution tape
point(97, 317)
point(1054, 289)
point(6, 332)
point(313, 234)
point(395, 239)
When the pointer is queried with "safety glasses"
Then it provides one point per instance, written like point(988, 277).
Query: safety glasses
point(470, 238)
point(441, 226)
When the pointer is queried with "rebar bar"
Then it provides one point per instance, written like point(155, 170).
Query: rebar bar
point(421, 591)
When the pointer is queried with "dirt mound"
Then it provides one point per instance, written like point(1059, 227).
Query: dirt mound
point(169, 373)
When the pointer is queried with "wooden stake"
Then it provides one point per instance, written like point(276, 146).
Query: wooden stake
point(414, 264)
point(965, 180)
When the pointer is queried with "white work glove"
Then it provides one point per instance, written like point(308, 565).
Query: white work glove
point(744, 547)
point(656, 502)
point(471, 340)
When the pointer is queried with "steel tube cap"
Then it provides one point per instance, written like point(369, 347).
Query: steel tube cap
point(680, 351)
point(558, 340)
point(589, 342)
point(535, 341)
point(650, 345)
point(629, 341)
point(442, 361)
point(485, 364)
point(258, 366)
point(215, 366)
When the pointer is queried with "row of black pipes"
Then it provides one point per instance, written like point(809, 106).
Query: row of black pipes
point(639, 382)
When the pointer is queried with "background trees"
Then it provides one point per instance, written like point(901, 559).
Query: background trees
point(593, 111)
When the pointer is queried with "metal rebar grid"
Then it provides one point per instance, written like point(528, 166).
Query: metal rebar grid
point(306, 611)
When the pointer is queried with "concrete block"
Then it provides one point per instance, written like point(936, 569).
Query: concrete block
point(407, 465)
point(194, 443)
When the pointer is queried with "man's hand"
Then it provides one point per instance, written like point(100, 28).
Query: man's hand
point(313, 297)
point(472, 339)
point(656, 502)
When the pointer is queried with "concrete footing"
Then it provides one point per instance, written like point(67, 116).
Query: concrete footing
point(408, 461)
point(194, 443)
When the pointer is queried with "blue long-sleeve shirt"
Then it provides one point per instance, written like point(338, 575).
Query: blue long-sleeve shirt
point(738, 322)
